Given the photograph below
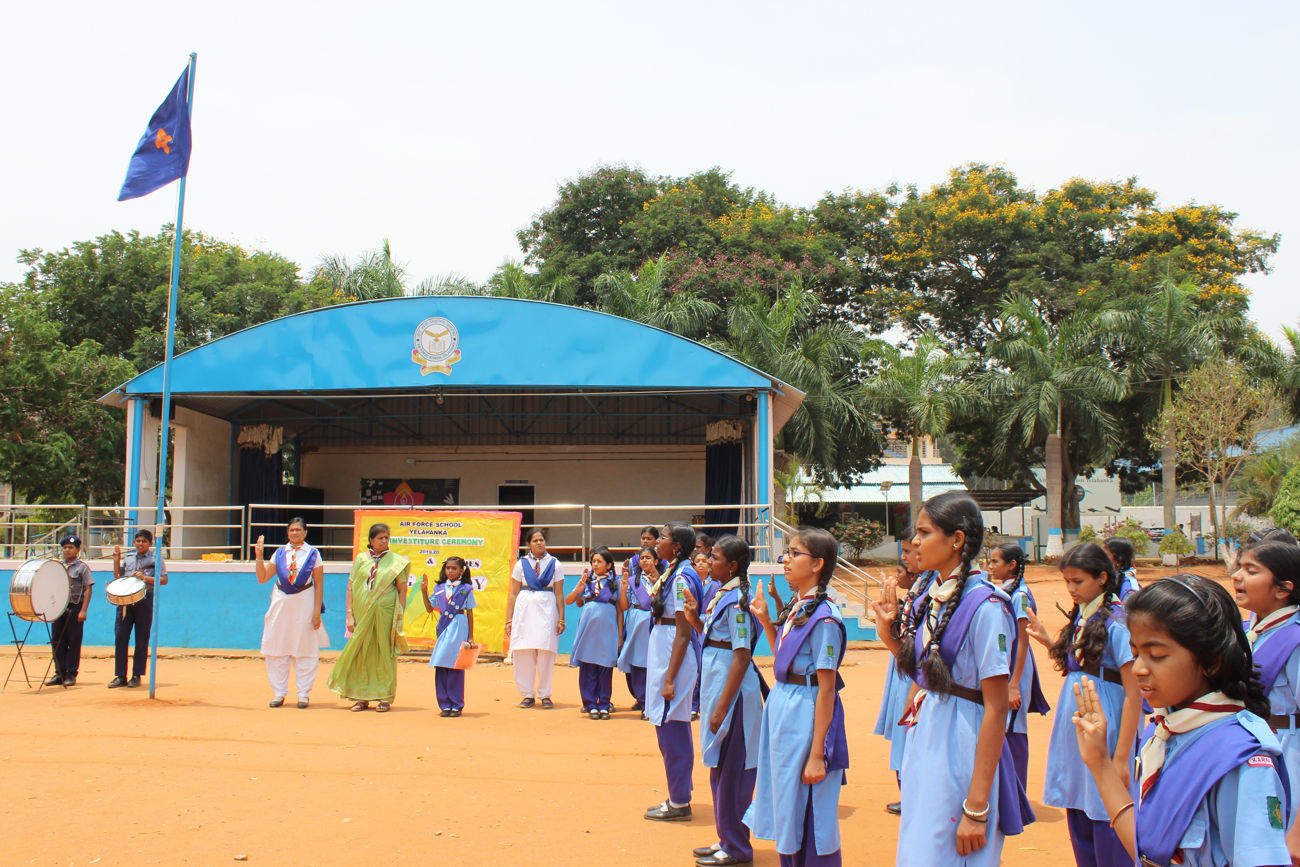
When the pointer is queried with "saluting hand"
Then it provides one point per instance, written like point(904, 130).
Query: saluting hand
point(691, 606)
point(1090, 725)
point(1036, 629)
point(776, 597)
point(257, 546)
point(759, 608)
point(886, 608)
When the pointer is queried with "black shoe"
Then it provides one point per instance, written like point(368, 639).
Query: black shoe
point(70, 680)
point(57, 680)
point(445, 712)
point(593, 713)
point(547, 704)
point(134, 682)
point(705, 851)
point(116, 682)
point(666, 812)
point(604, 714)
point(278, 701)
point(455, 712)
point(640, 705)
point(302, 704)
point(528, 702)
point(719, 860)
point(895, 808)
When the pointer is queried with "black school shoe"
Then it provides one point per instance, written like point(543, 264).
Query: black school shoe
point(116, 682)
point(134, 682)
point(665, 812)
point(57, 680)
point(705, 851)
point(896, 808)
point(719, 860)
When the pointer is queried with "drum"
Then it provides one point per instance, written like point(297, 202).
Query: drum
point(40, 590)
point(126, 590)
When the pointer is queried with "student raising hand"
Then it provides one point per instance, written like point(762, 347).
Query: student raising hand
point(1036, 630)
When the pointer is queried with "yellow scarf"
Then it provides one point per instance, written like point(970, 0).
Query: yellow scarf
point(939, 597)
point(730, 585)
point(1085, 614)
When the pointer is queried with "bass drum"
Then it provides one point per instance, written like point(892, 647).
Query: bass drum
point(40, 590)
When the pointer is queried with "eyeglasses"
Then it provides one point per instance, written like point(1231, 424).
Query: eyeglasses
point(792, 553)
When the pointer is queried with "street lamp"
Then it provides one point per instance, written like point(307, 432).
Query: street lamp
point(884, 489)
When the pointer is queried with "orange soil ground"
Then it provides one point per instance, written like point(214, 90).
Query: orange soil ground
point(208, 774)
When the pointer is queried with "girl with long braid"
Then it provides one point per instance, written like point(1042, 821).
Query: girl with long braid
point(1094, 642)
point(802, 748)
point(961, 795)
point(670, 669)
point(731, 701)
point(1120, 551)
point(1212, 789)
point(899, 687)
point(639, 575)
point(1007, 570)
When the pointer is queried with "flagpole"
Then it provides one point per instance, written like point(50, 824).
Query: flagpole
point(165, 423)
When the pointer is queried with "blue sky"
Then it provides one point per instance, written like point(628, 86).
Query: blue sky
point(324, 128)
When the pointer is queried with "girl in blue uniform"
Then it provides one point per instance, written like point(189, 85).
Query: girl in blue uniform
point(639, 575)
point(670, 669)
point(600, 630)
point(1007, 570)
point(898, 687)
point(731, 701)
point(802, 749)
point(1120, 552)
point(1211, 786)
point(1267, 584)
point(702, 560)
point(1095, 642)
point(957, 638)
point(453, 598)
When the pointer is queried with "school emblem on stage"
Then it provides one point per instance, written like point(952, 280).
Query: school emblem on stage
point(437, 346)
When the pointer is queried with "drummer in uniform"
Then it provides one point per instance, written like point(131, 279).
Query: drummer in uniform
point(67, 628)
point(138, 616)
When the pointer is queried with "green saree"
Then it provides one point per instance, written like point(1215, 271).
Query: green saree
point(367, 668)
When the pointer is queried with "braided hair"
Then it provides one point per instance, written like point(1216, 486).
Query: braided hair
point(1091, 558)
point(683, 538)
point(1270, 534)
point(1121, 552)
point(822, 546)
point(1201, 616)
point(736, 550)
point(1013, 553)
point(951, 511)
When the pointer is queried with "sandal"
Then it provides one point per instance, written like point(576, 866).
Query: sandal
point(361, 705)
point(383, 707)
point(547, 704)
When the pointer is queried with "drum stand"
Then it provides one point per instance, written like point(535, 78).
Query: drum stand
point(18, 644)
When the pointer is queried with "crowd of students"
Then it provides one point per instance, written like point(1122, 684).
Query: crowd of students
point(1175, 736)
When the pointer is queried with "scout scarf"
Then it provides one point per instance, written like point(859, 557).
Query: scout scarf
point(1264, 624)
point(534, 579)
point(713, 603)
point(374, 567)
point(1209, 708)
point(1086, 611)
point(451, 601)
point(939, 597)
point(290, 577)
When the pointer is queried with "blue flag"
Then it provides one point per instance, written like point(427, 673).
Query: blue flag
point(163, 154)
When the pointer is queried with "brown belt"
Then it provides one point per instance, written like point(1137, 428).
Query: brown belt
point(665, 621)
point(967, 693)
point(801, 680)
point(1284, 721)
point(721, 645)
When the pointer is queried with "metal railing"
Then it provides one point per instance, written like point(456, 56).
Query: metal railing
point(857, 596)
point(31, 531)
point(753, 522)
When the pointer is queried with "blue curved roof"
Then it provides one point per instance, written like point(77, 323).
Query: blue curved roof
point(503, 342)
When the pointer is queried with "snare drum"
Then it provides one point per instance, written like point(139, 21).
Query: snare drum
point(40, 590)
point(126, 590)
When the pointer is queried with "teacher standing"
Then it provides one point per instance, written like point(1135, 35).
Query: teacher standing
point(292, 632)
point(367, 668)
point(535, 619)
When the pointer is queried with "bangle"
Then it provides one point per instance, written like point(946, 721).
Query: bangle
point(1119, 812)
point(972, 814)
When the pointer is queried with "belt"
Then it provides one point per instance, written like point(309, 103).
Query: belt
point(1284, 721)
point(968, 693)
point(801, 680)
point(721, 645)
point(1110, 675)
point(665, 621)
point(539, 590)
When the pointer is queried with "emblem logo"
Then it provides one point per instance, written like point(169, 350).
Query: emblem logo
point(437, 346)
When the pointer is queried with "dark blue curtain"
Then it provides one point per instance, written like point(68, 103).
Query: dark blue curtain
point(723, 463)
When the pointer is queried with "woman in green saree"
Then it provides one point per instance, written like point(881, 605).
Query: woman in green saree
point(366, 670)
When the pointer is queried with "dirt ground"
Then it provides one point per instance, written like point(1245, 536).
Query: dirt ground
point(208, 774)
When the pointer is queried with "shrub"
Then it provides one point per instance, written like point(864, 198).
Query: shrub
point(1237, 531)
point(1286, 505)
point(1087, 533)
point(1133, 531)
point(859, 534)
point(1174, 542)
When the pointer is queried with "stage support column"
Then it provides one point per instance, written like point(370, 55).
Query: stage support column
point(763, 451)
point(134, 434)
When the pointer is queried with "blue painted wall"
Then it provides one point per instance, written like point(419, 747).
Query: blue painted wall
point(224, 610)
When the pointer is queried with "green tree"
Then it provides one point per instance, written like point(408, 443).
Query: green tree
point(59, 444)
point(919, 393)
point(1261, 477)
point(644, 296)
point(1056, 387)
point(374, 275)
point(1286, 508)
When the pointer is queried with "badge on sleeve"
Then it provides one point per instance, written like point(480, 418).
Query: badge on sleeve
point(740, 616)
point(1002, 643)
point(830, 651)
point(1275, 812)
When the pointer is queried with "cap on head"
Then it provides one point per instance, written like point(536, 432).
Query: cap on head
point(70, 539)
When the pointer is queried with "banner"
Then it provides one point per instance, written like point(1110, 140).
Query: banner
point(489, 542)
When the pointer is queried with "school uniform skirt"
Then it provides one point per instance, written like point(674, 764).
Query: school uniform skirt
point(657, 656)
point(780, 796)
point(715, 668)
point(596, 640)
point(452, 633)
point(892, 707)
point(636, 640)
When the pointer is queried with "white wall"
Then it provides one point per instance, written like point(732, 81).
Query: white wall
point(591, 475)
point(201, 477)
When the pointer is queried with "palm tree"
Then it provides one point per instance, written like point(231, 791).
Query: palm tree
point(644, 296)
point(1289, 374)
point(1168, 336)
point(919, 393)
point(375, 275)
point(1054, 382)
point(781, 339)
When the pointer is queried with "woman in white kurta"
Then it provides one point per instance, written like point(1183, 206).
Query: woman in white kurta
point(535, 620)
point(292, 631)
